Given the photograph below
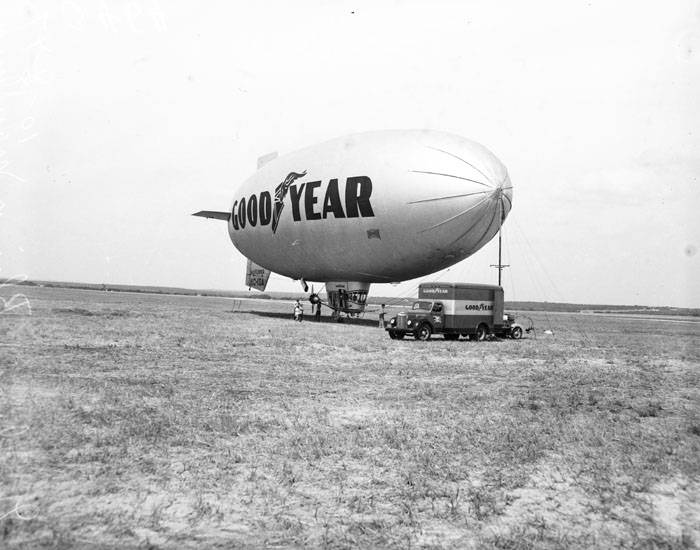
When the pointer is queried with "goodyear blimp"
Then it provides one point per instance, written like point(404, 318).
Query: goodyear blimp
point(375, 207)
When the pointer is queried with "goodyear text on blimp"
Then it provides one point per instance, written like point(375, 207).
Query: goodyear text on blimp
point(319, 202)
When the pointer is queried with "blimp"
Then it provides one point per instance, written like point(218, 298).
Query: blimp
point(374, 207)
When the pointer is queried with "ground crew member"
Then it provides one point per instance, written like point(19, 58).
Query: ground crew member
point(298, 311)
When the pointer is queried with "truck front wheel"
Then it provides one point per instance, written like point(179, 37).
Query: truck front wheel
point(516, 333)
point(424, 332)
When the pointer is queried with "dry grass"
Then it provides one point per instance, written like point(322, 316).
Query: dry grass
point(136, 420)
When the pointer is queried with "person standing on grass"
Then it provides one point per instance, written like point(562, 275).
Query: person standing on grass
point(318, 311)
point(298, 311)
point(381, 316)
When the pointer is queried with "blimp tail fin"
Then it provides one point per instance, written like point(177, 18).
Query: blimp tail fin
point(213, 214)
point(256, 276)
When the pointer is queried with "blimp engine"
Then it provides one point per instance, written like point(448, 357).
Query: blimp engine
point(376, 207)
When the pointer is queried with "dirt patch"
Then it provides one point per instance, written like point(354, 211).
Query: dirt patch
point(676, 508)
point(354, 415)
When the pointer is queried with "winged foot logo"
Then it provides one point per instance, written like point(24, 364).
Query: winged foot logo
point(280, 193)
point(319, 202)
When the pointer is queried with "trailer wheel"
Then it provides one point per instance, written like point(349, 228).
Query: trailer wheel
point(450, 336)
point(516, 333)
point(424, 332)
point(481, 331)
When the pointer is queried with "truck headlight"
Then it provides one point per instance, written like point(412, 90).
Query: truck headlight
point(409, 322)
point(392, 321)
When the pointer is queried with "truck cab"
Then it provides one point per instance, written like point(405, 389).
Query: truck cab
point(423, 319)
point(420, 321)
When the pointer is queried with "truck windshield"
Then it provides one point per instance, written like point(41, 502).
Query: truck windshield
point(423, 305)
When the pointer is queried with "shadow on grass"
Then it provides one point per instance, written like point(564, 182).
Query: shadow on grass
point(312, 319)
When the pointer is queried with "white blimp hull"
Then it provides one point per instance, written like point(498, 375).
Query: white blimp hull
point(375, 207)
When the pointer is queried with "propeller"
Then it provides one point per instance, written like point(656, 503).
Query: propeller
point(313, 297)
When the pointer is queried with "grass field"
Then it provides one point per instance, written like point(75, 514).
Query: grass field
point(171, 422)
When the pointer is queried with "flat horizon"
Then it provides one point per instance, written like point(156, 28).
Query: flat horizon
point(145, 287)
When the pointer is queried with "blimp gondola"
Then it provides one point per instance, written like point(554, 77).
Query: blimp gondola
point(374, 207)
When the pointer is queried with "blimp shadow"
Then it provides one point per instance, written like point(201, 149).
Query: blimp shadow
point(310, 318)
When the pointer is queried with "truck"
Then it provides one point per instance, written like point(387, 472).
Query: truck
point(474, 311)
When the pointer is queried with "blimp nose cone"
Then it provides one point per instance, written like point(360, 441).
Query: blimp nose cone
point(502, 196)
point(489, 212)
point(464, 196)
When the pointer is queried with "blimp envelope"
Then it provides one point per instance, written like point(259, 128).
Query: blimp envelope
point(373, 207)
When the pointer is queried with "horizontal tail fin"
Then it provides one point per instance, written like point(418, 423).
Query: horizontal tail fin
point(213, 214)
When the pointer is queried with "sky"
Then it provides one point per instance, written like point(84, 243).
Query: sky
point(120, 119)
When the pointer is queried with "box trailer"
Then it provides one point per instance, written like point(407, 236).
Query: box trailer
point(474, 311)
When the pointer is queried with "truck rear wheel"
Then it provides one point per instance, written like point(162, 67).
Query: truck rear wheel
point(424, 331)
point(481, 331)
point(516, 333)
